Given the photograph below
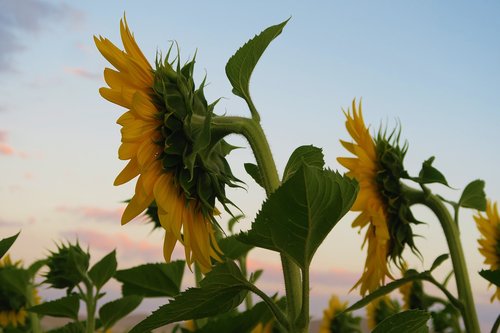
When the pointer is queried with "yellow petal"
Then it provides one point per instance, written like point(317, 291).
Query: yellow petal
point(128, 173)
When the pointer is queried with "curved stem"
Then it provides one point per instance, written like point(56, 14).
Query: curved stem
point(254, 133)
point(278, 314)
point(452, 235)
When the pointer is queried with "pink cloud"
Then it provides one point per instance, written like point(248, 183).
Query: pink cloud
point(96, 213)
point(133, 250)
point(81, 72)
point(3, 136)
point(6, 149)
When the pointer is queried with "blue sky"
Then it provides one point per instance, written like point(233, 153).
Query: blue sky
point(432, 66)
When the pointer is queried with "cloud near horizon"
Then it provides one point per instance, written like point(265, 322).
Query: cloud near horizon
point(90, 212)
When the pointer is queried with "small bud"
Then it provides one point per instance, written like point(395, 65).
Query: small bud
point(67, 266)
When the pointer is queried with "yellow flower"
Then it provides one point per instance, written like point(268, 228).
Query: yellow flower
point(369, 201)
point(489, 244)
point(333, 323)
point(334, 307)
point(12, 303)
point(380, 309)
point(384, 211)
point(179, 168)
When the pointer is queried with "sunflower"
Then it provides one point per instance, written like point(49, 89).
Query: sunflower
point(412, 292)
point(380, 309)
point(12, 303)
point(167, 140)
point(333, 323)
point(384, 211)
point(489, 244)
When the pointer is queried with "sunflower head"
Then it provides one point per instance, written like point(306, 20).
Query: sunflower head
point(168, 139)
point(412, 292)
point(380, 309)
point(384, 210)
point(489, 243)
point(67, 266)
point(334, 322)
point(13, 302)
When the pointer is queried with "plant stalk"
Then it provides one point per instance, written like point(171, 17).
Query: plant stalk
point(253, 132)
point(452, 235)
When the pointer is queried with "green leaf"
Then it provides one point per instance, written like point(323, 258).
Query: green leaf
point(439, 260)
point(492, 276)
point(414, 321)
point(66, 307)
point(254, 276)
point(429, 174)
point(298, 216)
point(152, 280)
point(254, 172)
point(115, 310)
point(310, 155)
point(473, 196)
point(233, 248)
point(388, 288)
point(240, 66)
point(6, 243)
point(237, 322)
point(103, 270)
point(74, 327)
point(222, 290)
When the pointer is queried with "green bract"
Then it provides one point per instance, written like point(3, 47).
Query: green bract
point(390, 156)
point(191, 150)
point(67, 266)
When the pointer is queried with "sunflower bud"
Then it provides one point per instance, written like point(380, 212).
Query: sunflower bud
point(67, 266)
point(380, 309)
point(13, 300)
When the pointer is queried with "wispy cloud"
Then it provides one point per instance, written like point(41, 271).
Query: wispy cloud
point(81, 72)
point(5, 148)
point(27, 16)
point(134, 250)
point(95, 213)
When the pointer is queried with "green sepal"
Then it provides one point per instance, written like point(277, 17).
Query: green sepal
point(491, 276)
point(103, 270)
point(240, 66)
point(414, 321)
point(473, 196)
point(233, 248)
point(254, 172)
point(232, 221)
point(222, 290)
point(65, 307)
point(152, 280)
point(36, 266)
point(310, 155)
point(6, 243)
point(115, 310)
point(308, 205)
point(429, 174)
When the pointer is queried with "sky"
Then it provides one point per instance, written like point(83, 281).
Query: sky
point(433, 67)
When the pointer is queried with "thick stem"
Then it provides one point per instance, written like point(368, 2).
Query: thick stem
point(253, 132)
point(303, 321)
point(452, 235)
point(34, 318)
point(91, 305)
